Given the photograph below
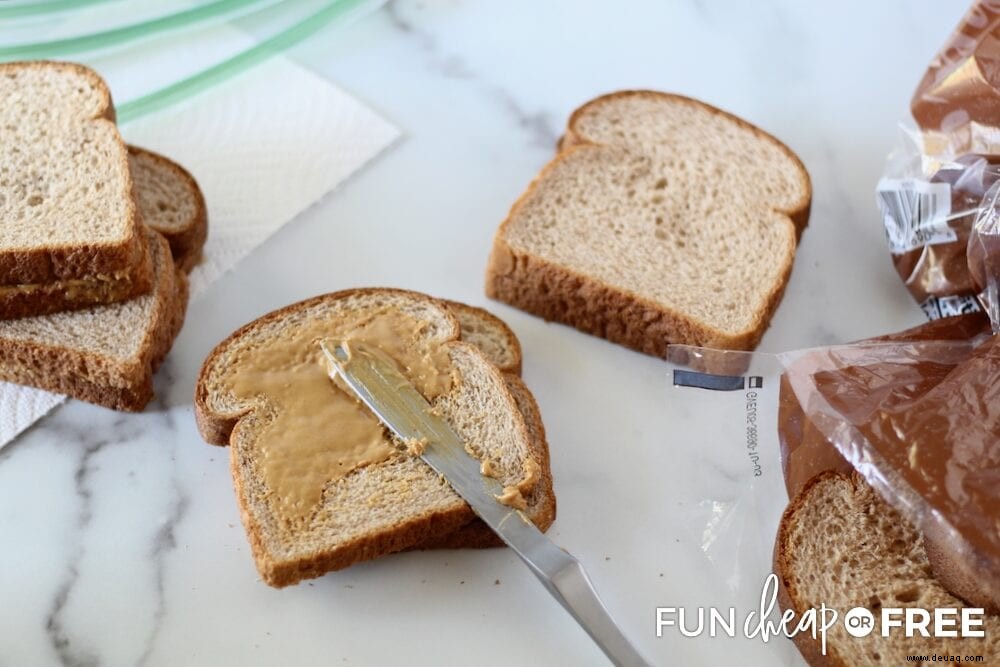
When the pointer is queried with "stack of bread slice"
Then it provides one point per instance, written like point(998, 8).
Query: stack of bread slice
point(392, 504)
point(96, 238)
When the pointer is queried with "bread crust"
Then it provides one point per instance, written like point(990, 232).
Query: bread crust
point(788, 597)
point(80, 261)
point(421, 531)
point(513, 344)
point(560, 294)
point(185, 244)
point(66, 371)
point(963, 571)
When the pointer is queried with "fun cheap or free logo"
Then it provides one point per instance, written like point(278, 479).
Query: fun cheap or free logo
point(817, 622)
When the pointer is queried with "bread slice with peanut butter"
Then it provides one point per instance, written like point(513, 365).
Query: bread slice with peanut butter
point(106, 354)
point(498, 342)
point(320, 484)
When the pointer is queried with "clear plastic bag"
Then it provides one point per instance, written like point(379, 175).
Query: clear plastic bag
point(920, 420)
point(931, 205)
point(774, 421)
point(984, 254)
point(938, 196)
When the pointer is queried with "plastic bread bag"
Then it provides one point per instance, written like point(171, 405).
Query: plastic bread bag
point(929, 207)
point(919, 418)
point(937, 182)
point(768, 423)
point(731, 400)
point(984, 255)
point(957, 102)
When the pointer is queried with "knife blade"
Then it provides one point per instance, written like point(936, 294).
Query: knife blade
point(376, 381)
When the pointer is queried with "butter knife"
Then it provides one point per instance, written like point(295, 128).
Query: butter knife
point(376, 380)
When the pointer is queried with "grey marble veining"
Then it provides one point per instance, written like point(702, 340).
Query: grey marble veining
point(538, 125)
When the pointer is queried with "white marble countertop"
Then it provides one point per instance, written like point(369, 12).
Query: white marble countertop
point(120, 540)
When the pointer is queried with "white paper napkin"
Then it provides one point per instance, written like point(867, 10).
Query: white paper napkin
point(263, 147)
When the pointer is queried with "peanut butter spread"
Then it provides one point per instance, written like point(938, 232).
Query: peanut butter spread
point(74, 285)
point(513, 496)
point(318, 432)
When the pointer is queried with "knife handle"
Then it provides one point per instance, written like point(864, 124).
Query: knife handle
point(567, 581)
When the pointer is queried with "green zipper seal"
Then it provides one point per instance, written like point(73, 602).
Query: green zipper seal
point(60, 48)
point(26, 9)
point(202, 81)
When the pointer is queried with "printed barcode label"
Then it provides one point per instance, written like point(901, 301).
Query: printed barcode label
point(937, 307)
point(915, 213)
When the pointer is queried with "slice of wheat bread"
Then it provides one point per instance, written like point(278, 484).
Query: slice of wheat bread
point(841, 544)
point(170, 202)
point(490, 334)
point(66, 197)
point(105, 354)
point(379, 508)
point(662, 220)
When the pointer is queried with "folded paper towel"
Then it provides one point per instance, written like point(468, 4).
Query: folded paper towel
point(263, 147)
